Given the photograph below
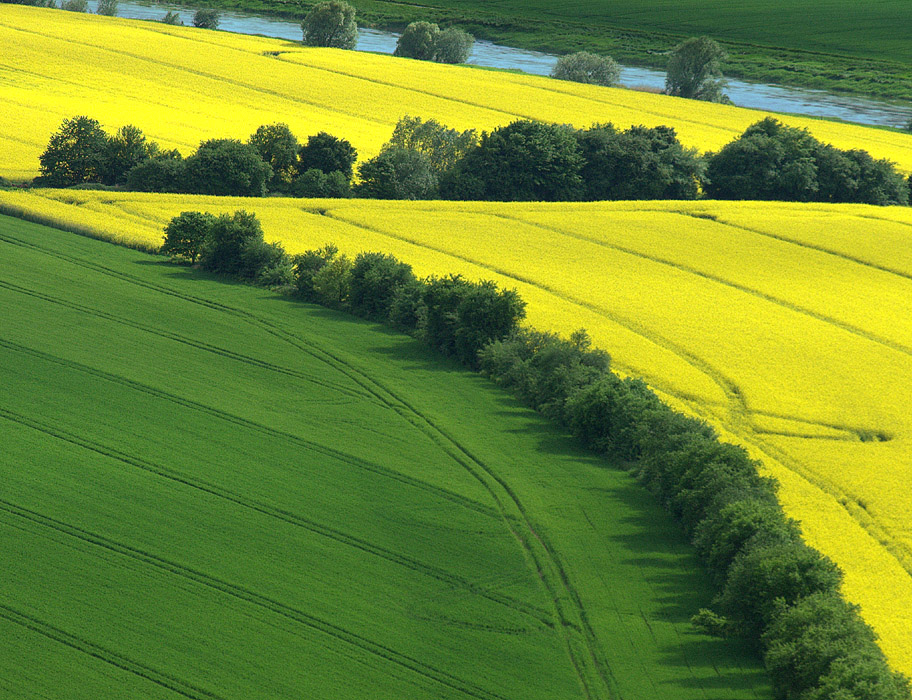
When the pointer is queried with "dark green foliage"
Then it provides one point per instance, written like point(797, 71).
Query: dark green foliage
point(771, 161)
point(75, 154)
point(585, 67)
point(397, 173)
point(860, 677)
point(331, 24)
point(164, 172)
point(125, 150)
point(227, 167)
point(173, 18)
point(443, 146)
point(230, 247)
point(375, 280)
point(306, 267)
point(261, 260)
point(316, 183)
point(206, 18)
point(640, 163)
point(185, 234)
point(523, 161)
point(407, 311)
point(328, 154)
point(278, 147)
point(695, 70)
point(453, 45)
point(418, 40)
point(464, 316)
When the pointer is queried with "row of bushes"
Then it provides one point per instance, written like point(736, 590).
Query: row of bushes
point(774, 590)
point(522, 161)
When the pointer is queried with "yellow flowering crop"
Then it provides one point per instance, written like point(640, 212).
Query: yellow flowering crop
point(786, 325)
point(182, 85)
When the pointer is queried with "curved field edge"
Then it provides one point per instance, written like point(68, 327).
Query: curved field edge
point(832, 428)
point(145, 555)
point(171, 82)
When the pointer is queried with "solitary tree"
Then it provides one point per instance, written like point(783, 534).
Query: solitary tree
point(206, 18)
point(173, 18)
point(585, 67)
point(418, 41)
point(75, 154)
point(695, 71)
point(453, 45)
point(184, 234)
point(331, 24)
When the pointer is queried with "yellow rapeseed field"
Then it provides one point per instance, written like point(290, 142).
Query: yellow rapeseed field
point(788, 326)
point(182, 85)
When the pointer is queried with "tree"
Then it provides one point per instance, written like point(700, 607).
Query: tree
point(694, 70)
point(126, 149)
point(585, 67)
point(331, 24)
point(453, 45)
point(107, 7)
point(206, 18)
point(173, 18)
point(443, 146)
point(316, 183)
point(227, 167)
point(418, 41)
point(328, 153)
point(164, 172)
point(278, 147)
point(75, 154)
point(640, 163)
point(397, 173)
point(227, 240)
point(74, 5)
point(375, 279)
point(185, 234)
point(523, 161)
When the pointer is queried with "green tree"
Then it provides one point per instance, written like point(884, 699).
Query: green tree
point(74, 154)
point(585, 67)
point(107, 7)
point(327, 153)
point(206, 18)
point(278, 147)
point(331, 24)
point(173, 18)
point(397, 173)
point(164, 172)
point(227, 167)
point(316, 183)
point(185, 234)
point(453, 45)
point(306, 267)
point(418, 40)
point(443, 146)
point(126, 149)
point(74, 5)
point(375, 279)
point(332, 282)
point(227, 240)
point(695, 70)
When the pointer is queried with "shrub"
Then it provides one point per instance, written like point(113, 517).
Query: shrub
point(442, 146)
point(585, 67)
point(227, 167)
point(306, 267)
point(418, 40)
point(453, 45)
point(206, 18)
point(397, 173)
point(74, 154)
point(226, 243)
point(375, 279)
point(164, 172)
point(278, 147)
point(328, 154)
point(331, 283)
point(186, 233)
point(316, 183)
point(331, 24)
point(259, 259)
point(173, 18)
point(107, 7)
point(74, 5)
point(125, 150)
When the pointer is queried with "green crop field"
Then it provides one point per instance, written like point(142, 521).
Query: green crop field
point(212, 492)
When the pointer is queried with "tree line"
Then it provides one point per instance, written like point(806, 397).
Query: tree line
point(773, 589)
point(522, 161)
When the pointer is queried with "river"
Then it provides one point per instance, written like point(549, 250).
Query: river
point(772, 98)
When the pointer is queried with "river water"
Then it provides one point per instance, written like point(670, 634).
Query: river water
point(773, 98)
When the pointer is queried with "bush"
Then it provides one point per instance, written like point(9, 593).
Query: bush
point(306, 267)
point(165, 172)
point(261, 260)
point(695, 70)
point(226, 244)
point(107, 7)
point(124, 151)
point(75, 153)
point(173, 18)
point(331, 282)
point(585, 67)
point(206, 18)
point(397, 173)
point(315, 183)
point(640, 163)
point(453, 45)
point(74, 5)
point(331, 24)
point(186, 233)
point(227, 167)
point(328, 154)
point(277, 147)
point(443, 147)
point(418, 40)
point(523, 161)
point(375, 280)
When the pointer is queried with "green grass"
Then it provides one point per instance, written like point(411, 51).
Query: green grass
point(212, 492)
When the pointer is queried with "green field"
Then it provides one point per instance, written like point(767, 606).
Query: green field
point(210, 491)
